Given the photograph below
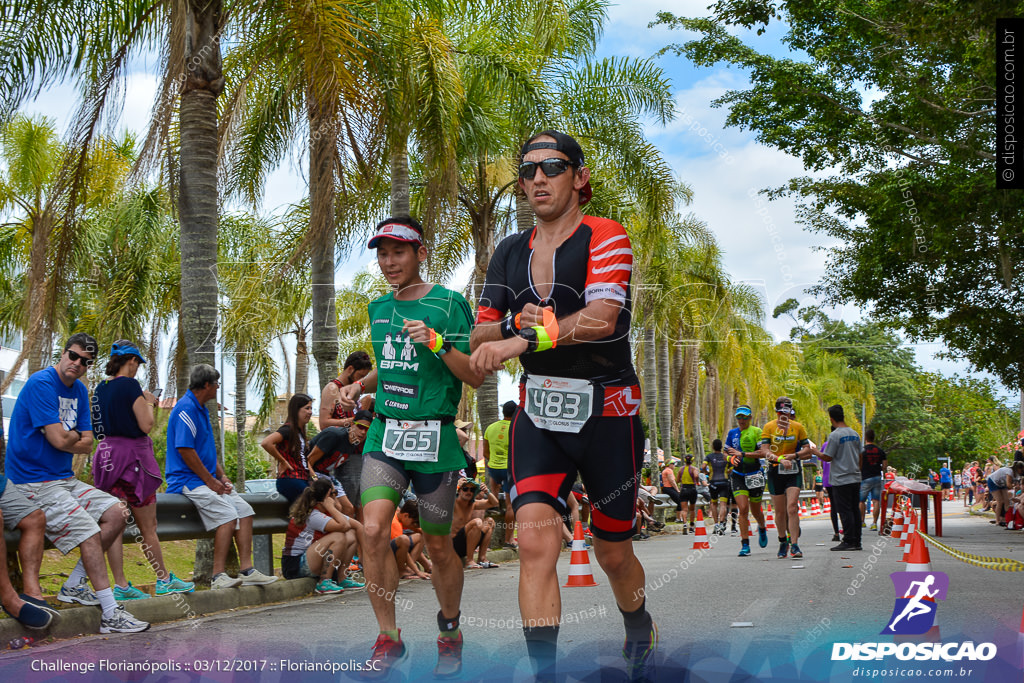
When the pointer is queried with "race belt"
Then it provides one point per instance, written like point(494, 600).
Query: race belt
point(614, 401)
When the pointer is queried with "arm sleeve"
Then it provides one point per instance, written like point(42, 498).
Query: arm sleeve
point(801, 438)
point(317, 521)
point(494, 299)
point(43, 405)
point(185, 433)
point(460, 323)
point(610, 264)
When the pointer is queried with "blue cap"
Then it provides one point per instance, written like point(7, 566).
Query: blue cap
point(743, 411)
point(126, 350)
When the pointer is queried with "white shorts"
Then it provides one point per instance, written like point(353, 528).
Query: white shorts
point(14, 505)
point(216, 509)
point(72, 509)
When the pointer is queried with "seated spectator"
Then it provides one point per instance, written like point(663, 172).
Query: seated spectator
point(124, 465)
point(321, 540)
point(357, 366)
point(409, 517)
point(289, 447)
point(50, 423)
point(28, 608)
point(407, 541)
point(462, 430)
point(1001, 484)
point(468, 532)
point(338, 453)
point(192, 469)
point(1015, 517)
point(670, 488)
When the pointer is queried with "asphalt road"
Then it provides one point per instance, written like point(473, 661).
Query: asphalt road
point(720, 618)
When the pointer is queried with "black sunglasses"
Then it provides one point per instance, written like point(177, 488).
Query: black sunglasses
point(75, 357)
point(551, 168)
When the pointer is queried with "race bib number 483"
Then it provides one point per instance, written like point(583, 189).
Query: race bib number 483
point(413, 440)
point(559, 404)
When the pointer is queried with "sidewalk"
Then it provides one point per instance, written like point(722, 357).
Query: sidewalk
point(78, 620)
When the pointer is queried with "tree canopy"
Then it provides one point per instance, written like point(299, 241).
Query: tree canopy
point(898, 100)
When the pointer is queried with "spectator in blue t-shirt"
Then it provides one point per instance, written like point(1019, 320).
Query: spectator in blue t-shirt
point(49, 426)
point(192, 469)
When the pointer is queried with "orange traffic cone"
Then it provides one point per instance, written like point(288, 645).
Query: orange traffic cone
point(803, 509)
point(700, 537)
point(909, 532)
point(918, 559)
point(897, 524)
point(828, 506)
point(580, 573)
point(815, 508)
point(769, 520)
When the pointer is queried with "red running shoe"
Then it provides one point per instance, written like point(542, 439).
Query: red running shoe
point(387, 654)
point(449, 657)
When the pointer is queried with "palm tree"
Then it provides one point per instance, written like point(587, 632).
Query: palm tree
point(301, 68)
point(45, 259)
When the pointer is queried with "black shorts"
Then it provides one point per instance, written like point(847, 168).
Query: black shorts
point(720, 490)
point(779, 483)
point(459, 543)
point(739, 488)
point(607, 453)
point(688, 494)
point(946, 485)
point(819, 487)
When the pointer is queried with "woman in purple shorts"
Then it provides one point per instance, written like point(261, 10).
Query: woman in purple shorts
point(125, 466)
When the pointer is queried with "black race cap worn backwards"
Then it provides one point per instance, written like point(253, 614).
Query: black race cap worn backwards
point(566, 145)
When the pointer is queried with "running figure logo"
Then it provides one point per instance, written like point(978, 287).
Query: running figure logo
point(916, 593)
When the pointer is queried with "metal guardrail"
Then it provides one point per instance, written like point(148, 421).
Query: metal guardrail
point(177, 520)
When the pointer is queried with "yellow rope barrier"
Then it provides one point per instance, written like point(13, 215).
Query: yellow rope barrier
point(999, 564)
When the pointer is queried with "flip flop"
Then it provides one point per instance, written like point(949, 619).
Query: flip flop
point(487, 564)
point(474, 565)
point(32, 617)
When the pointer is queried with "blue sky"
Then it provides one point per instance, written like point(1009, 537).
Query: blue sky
point(762, 243)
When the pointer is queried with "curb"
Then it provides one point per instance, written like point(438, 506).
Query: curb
point(81, 620)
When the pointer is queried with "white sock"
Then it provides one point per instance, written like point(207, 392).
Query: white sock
point(107, 602)
point(77, 575)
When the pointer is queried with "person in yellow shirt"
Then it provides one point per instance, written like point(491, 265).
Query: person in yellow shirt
point(688, 477)
point(496, 457)
point(784, 444)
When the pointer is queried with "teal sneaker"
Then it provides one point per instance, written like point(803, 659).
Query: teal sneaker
point(762, 537)
point(328, 587)
point(174, 585)
point(129, 593)
point(350, 583)
point(745, 549)
point(783, 550)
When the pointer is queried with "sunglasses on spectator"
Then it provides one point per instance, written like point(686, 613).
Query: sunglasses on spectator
point(551, 168)
point(467, 488)
point(76, 357)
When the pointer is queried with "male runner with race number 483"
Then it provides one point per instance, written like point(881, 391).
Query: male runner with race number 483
point(558, 298)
